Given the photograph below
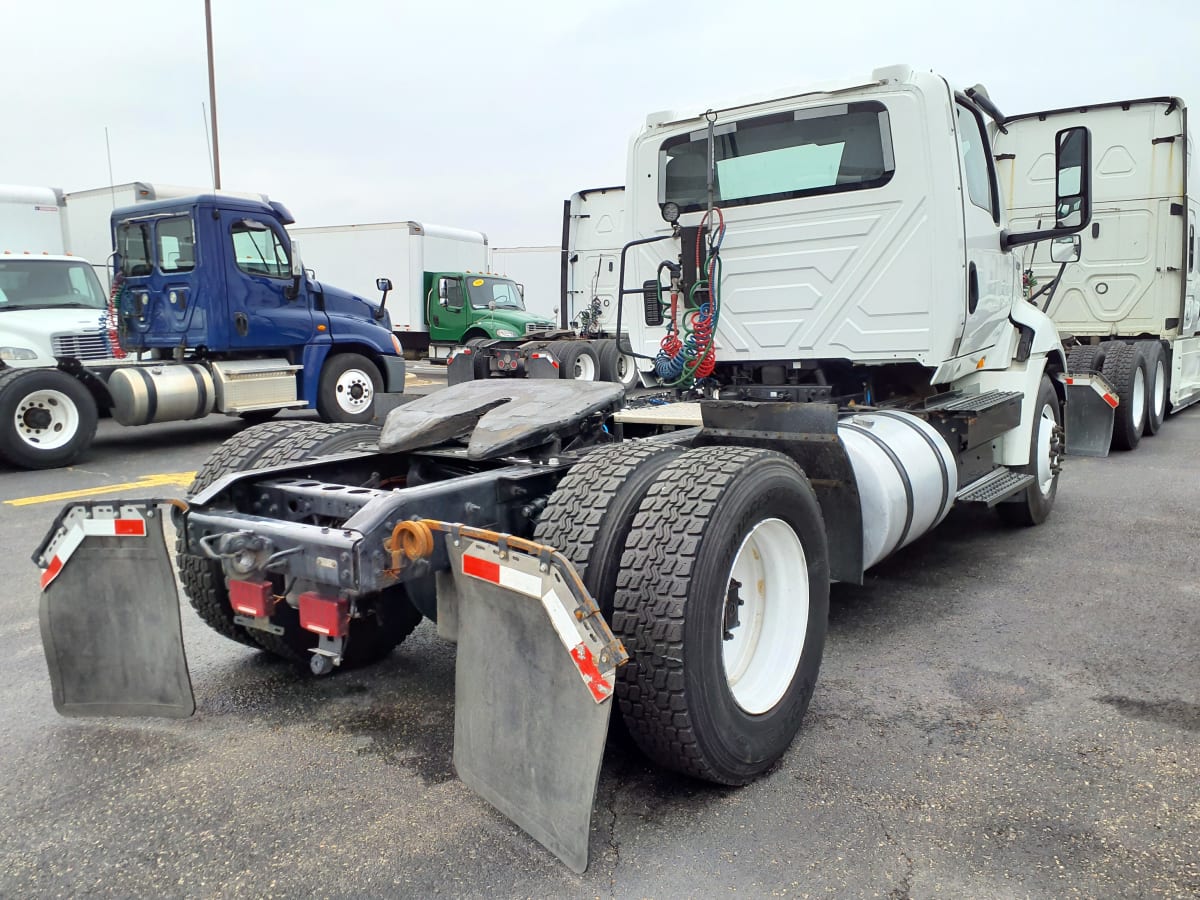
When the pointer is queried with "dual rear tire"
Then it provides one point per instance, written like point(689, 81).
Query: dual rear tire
point(721, 596)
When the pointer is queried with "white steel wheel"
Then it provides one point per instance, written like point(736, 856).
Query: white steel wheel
point(627, 373)
point(46, 419)
point(1047, 422)
point(1137, 413)
point(766, 615)
point(1159, 409)
point(355, 391)
point(584, 368)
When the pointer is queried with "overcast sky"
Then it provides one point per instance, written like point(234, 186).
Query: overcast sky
point(488, 115)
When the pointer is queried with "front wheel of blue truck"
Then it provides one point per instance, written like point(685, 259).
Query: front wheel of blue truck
point(347, 388)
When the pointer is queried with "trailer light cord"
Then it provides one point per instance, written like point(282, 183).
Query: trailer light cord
point(682, 360)
point(112, 318)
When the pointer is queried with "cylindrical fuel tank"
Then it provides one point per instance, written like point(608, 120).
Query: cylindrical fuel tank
point(166, 393)
point(907, 477)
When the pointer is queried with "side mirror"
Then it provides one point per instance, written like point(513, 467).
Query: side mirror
point(383, 284)
point(1065, 249)
point(1072, 176)
point(293, 290)
point(492, 305)
point(521, 290)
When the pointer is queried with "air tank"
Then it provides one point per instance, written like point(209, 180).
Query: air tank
point(907, 478)
point(167, 393)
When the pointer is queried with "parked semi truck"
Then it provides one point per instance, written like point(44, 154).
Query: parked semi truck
point(216, 310)
point(872, 362)
point(1129, 307)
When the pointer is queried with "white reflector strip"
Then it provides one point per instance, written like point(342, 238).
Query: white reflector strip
point(82, 528)
point(562, 620)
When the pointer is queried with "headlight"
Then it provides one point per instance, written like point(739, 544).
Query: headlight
point(17, 353)
point(505, 333)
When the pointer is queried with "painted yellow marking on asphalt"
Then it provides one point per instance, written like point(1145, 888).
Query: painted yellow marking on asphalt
point(182, 479)
point(418, 382)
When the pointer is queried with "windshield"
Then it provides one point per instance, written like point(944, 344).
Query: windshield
point(46, 283)
point(501, 291)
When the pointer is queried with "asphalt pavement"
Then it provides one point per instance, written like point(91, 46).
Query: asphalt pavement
point(1001, 713)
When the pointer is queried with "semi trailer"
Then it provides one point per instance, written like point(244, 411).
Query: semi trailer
point(1129, 307)
point(844, 354)
point(213, 312)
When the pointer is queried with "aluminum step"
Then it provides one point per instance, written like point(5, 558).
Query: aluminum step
point(997, 485)
point(973, 403)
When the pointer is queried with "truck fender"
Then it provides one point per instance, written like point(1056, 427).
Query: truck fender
point(1039, 331)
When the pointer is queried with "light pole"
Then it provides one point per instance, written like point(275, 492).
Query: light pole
point(212, 96)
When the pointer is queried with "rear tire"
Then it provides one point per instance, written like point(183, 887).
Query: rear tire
point(480, 366)
point(576, 361)
point(1045, 457)
point(1157, 384)
point(347, 388)
point(389, 617)
point(1085, 360)
point(1125, 370)
point(47, 418)
point(202, 578)
point(723, 709)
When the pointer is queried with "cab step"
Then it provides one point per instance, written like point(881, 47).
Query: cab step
point(995, 486)
point(973, 403)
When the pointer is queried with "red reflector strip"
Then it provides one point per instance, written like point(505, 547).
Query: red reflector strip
point(481, 568)
point(600, 687)
point(1111, 400)
point(51, 572)
point(130, 527)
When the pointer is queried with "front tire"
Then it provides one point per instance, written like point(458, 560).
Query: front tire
point(715, 688)
point(1045, 458)
point(347, 389)
point(47, 418)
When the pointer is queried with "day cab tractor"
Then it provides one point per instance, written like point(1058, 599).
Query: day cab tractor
point(845, 354)
point(214, 313)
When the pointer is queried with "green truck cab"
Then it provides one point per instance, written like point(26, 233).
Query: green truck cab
point(464, 306)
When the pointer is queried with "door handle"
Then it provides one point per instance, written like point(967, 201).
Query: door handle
point(972, 288)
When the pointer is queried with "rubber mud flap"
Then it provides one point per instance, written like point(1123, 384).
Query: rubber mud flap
point(1088, 416)
point(112, 633)
point(528, 735)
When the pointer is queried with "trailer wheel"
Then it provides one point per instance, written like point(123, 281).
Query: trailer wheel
point(47, 418)
point(589, 515)
point(1045, 456)
point(202, 579)
point(1156, 385)
point(347, 389)
point(576, 361)
point(722, 601)
point(390, 616)
point(1125, 369)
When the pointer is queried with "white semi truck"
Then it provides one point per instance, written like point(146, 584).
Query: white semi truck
point(836, 299)
point(1129, 307)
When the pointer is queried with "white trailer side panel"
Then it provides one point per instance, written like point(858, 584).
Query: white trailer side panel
point(538, 270)
point(31, 220)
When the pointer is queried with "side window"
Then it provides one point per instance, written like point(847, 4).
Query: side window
point(176, 244)
point(972, 142)
point(453, 293)
point(258, 250)
point(133, 243)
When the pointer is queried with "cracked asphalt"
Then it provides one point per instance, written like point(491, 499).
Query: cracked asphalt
point(1001, 713)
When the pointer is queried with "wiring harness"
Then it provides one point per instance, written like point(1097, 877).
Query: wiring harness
point(687, 351)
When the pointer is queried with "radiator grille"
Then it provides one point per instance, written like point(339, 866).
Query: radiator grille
point(83, 345)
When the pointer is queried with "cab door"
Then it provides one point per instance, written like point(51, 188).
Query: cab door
point(989, 272)
point(258, 278)
point(449, 310)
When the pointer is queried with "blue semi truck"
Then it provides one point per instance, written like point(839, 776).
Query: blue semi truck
point(213, 312)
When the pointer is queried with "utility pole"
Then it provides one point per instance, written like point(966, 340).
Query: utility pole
point(212, 96)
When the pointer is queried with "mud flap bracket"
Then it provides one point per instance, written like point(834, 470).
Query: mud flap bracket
point(534, 683)
point(109, 613)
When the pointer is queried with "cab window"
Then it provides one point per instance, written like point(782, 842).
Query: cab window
point(176, 244)
point(258, 250)
point(972, 143)
point(133, 243)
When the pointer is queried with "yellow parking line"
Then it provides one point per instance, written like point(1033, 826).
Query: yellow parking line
point(182, 479)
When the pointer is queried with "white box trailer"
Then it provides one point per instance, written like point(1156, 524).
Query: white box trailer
point(355, 256)
point(86, 226)
point(1129, 305)
point(539, 272)
point(32, 220)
